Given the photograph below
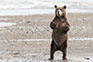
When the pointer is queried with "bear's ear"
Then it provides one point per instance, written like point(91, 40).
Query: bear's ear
point(55, 6)
point(65, 7)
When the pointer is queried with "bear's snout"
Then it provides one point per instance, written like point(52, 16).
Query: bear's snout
point(59, 13)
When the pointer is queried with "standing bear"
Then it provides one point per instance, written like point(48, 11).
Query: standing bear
point(60, 27)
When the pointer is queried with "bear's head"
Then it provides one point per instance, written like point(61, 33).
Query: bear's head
point(60, 11)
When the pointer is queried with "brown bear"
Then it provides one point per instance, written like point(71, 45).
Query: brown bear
point(60, 27)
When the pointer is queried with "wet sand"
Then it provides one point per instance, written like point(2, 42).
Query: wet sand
point(29, 40)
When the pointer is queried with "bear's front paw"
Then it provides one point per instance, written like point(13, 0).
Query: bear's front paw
point(52, 25)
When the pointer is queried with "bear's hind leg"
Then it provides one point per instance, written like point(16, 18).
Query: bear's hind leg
point(52, 51)
point(64, 50)
point(64, 54)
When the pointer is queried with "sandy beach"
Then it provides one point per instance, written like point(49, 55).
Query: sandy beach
point(28, 38)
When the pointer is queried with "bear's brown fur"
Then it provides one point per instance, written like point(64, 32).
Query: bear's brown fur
point(60, 28)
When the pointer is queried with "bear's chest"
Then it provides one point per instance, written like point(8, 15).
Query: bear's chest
point(60, 23)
